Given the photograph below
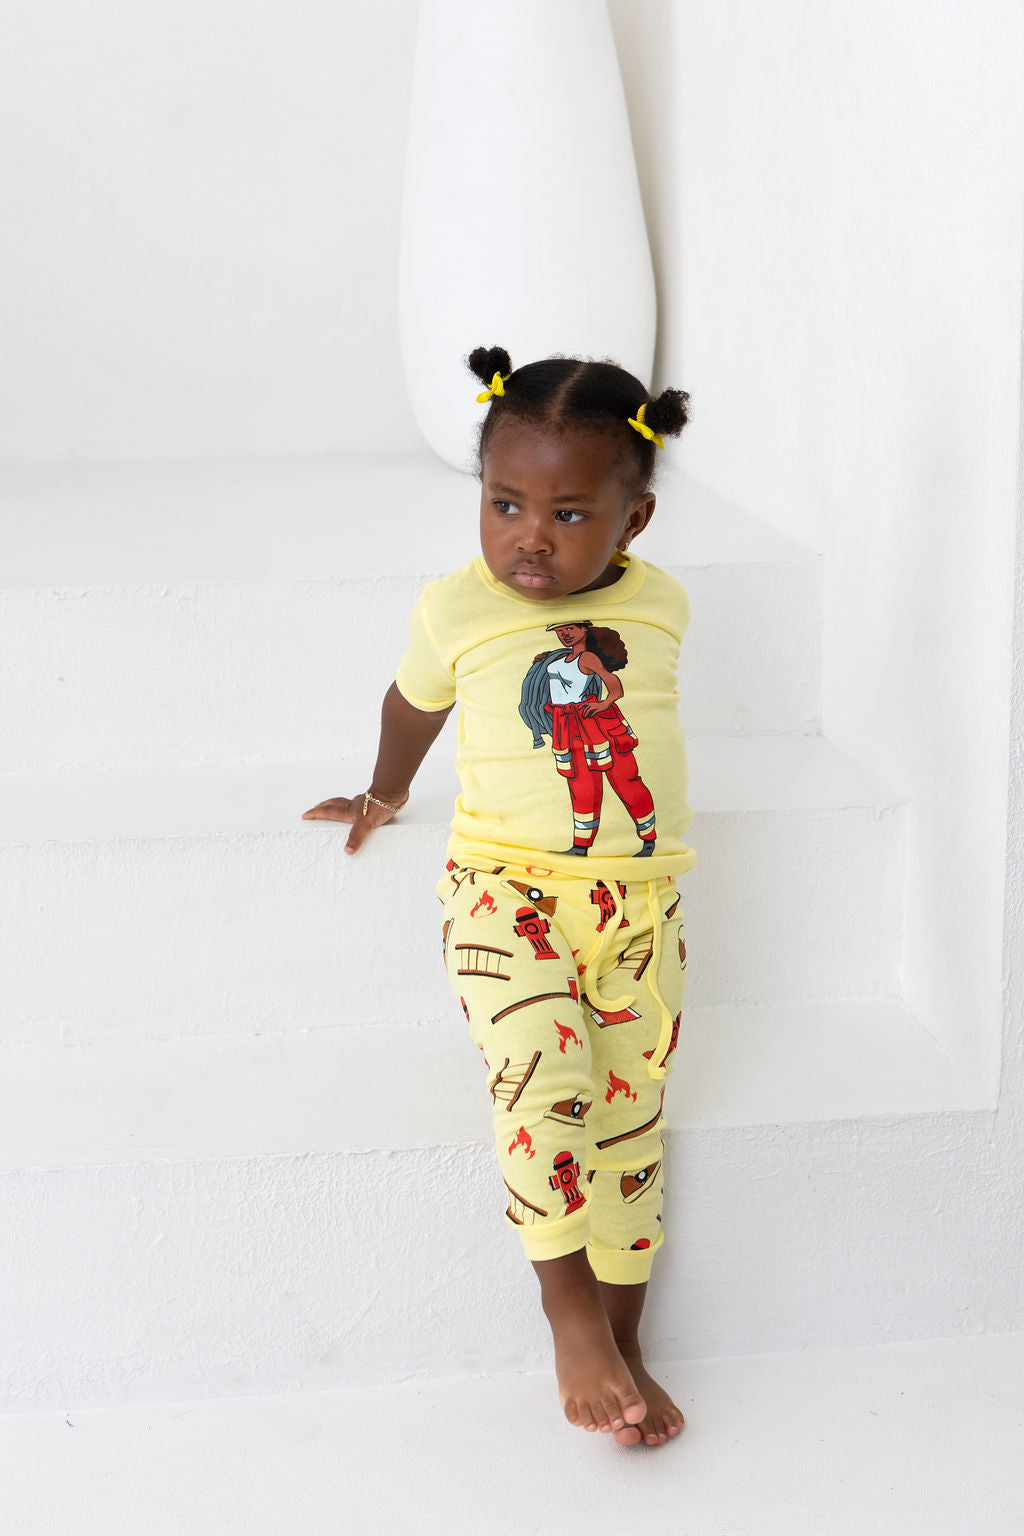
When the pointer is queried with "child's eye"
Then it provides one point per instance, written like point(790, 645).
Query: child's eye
point(565, 515)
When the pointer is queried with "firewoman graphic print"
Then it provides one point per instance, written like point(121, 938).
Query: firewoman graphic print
point(572, 695)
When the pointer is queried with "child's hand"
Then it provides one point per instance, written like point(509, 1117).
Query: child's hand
point(340, 809)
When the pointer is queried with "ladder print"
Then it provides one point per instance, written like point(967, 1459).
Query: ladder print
point(520, 1209)
point(482, 960)
point(509, 1086)
point(636, 956)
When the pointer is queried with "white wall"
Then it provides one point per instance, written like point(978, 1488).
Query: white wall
point(202, 260)
point(201, 206)
point(833, 194)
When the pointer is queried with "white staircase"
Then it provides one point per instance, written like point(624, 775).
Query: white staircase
point(244, 1138)
point(899, 1440)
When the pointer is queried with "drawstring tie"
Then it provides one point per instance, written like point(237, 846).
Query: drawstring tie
point(592, 965)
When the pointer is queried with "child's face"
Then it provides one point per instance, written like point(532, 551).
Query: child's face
point(552, 510)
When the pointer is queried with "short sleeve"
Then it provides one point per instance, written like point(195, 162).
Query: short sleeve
point(422, 677)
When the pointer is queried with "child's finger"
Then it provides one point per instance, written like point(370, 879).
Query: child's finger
point(351, 812)
point(360, 827)
point(338, 809)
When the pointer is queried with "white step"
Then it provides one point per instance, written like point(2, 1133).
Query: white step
point(239, 610)
point(402, 1086)
point(179, 1277)
point(197, 901)
point(221, 1215)
point(917, 1439)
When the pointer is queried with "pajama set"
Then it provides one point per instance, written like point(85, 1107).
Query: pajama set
point(562, 933)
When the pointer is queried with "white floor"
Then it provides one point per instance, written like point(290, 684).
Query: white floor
point(923, 1439)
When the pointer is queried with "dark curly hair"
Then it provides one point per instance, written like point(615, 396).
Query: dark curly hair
point(571, 392)
point(608, 646)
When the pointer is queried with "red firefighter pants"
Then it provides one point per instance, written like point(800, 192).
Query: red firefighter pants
point(589, 749)
point(573, 992)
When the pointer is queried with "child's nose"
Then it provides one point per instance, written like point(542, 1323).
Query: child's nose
point(532, 536)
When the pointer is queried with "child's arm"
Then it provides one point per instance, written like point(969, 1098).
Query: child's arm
point(406, 734)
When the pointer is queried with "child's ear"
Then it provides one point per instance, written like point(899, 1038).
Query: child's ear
point(640, 515)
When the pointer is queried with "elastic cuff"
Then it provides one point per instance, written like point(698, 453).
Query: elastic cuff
point(557, 1238)
point(623, 1266)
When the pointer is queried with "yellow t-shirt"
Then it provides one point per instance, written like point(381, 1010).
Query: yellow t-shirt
point(567, 739)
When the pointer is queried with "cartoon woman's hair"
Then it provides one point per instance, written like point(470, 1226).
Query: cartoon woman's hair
point(566, 393)
point(607, 645)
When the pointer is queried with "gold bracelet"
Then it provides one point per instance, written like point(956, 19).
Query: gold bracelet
point(382, 803)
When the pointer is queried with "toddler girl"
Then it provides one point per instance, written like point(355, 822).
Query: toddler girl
point(566, 954)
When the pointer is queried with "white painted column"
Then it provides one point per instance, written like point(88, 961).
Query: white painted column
point(522, 224)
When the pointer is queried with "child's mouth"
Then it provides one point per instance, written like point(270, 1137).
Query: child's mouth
point(532, 578)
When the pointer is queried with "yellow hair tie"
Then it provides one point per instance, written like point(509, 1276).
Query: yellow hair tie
point(644, 429)
point(497, 388)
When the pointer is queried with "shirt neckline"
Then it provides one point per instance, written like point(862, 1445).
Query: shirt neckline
point(628, 584)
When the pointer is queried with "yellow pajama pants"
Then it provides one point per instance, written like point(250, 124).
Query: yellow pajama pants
point(573, 990)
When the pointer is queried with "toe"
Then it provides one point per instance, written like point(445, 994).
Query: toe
point(633, 1408)
point(629, 1435)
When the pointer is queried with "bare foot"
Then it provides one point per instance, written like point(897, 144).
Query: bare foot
point(595, 1386)
point(662, 1420)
